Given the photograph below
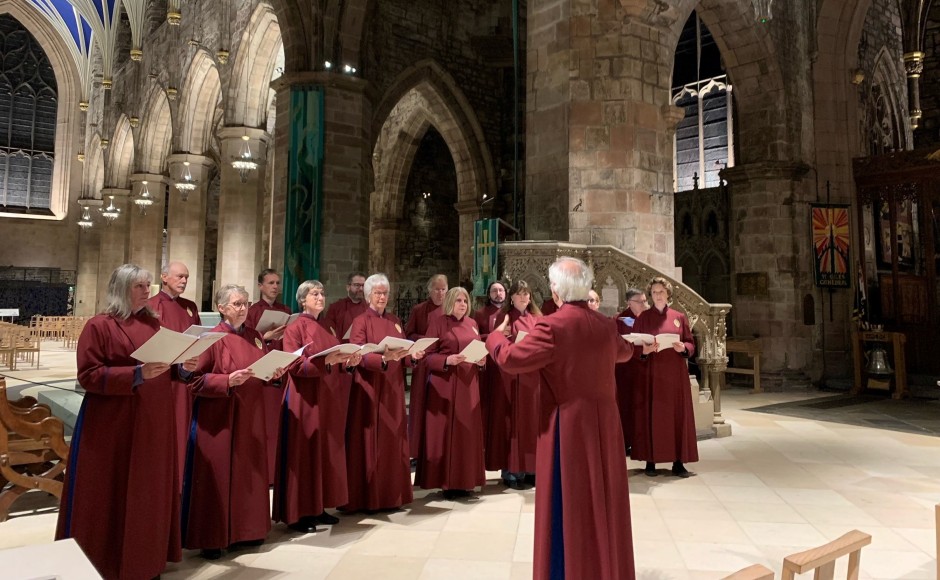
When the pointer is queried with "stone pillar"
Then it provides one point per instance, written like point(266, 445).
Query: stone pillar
point(469, 212)
point(186, 220)
point(114, 241)
point(146, 222)
point(772, 265)
point(89, 249)
point(382, 253)
point(598, 144)
point(347, 175)
point(240, 211)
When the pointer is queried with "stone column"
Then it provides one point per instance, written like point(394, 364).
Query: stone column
point(469, 212)
point(771, 265)
point(114, 241)
point(240, 211)
point(89, 249)
point(186, 220)
point(598, 144)
point(347, 175)
point(382, 246)
point(146, 222)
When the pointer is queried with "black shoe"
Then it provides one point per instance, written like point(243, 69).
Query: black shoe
point(210, 553)
point(451, 494)
point(327, 519)
point(304, 526)
point(529, 479)
point(650, 470)
point(679, 470)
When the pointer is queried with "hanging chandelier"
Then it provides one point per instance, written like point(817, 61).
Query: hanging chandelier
point(187, 184)
point(763, 10)
point(111, 213)
point(85, 222)
point(144, 199)
point(245, 163)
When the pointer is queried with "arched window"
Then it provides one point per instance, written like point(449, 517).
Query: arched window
point(28, 105)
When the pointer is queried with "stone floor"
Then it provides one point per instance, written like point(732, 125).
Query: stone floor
point(779, 485)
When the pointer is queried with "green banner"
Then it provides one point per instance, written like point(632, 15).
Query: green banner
point(304, 222)
point(485, 255)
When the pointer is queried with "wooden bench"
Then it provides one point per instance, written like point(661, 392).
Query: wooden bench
point(823, 558)
point(750, 347)
point(33, 451)
point(755, 572)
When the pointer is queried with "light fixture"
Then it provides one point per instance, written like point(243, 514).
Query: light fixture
point(348, 69)
point(85, 222)
point(111, 213)
point(425, 194)
point(144, 199)
point(187, 184)
point(763, 10)
point(245, 163)
point(327, 65)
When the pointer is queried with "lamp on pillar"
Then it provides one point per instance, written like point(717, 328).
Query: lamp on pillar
point(111, 213)
point(144, 200)
point(763, 10)
point(245, 163)
point(186, 184)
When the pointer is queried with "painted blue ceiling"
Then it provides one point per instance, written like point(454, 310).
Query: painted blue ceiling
point(63, 14)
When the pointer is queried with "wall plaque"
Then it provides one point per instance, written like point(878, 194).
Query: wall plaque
point(753, 284)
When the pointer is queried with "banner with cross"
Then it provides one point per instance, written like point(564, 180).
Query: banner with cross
point(485, 255)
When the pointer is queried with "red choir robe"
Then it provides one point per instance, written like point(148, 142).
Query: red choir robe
point(629, 375)
point(377, 464)
point(663, 418)
point(120, 499)
point(225, 488)
point(549, 307)
point(340, 315)
point(513, 430)
point(582, 508)
point(490, 374)
point(272, 397)
point(178, 314)
point(311, 474)
point(451, 454)
point(417, 327)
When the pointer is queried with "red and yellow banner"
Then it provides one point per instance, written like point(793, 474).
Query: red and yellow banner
point(831, 238)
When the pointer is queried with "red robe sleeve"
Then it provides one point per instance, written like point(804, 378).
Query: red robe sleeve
point(94, 373)
point(206, 382)
point(434, 358)
point(531, 354)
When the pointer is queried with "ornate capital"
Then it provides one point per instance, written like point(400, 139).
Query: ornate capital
point(914, 64)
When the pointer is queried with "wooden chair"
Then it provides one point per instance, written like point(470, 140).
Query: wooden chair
point(27, 346)
point(822, 559)
point(7, 347)
point(755, 572)
point(752, 348)
point(33, 452)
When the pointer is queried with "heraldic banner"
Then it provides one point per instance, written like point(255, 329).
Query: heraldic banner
point(485, 255)
point(831, 238)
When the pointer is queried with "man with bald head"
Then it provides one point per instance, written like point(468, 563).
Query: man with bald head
point(582, 508)
point(177, 313)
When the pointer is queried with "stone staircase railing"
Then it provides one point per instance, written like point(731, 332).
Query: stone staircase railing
point(615, 272)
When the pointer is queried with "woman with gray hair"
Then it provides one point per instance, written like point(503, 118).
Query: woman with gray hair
point(377, 464)
point(451, 452)
point(311, 469)
point(225, 488)
point(120, 500)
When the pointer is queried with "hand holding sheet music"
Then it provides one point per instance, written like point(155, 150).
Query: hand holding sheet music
point(169, 347)
point(474, 352)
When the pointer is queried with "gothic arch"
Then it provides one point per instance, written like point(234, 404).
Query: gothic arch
point(93, 174)
point(887, 121)
point(156, 130)
point(424, 96)
point(249, 88)
point(121, 155)
point(748, 52)
point(68, 129)
point(201, 92)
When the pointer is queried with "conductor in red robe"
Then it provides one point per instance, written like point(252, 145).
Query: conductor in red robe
point(339, 317)
point(120, 499)
point(225, 488)
point(417, 328)
point(269, 286)
point(631, 375)
point(512, 435)
point(178, 314)
point(377, 464)
point(663, 419)
point(451, 454)
point(582, 508)
point(311, 473)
